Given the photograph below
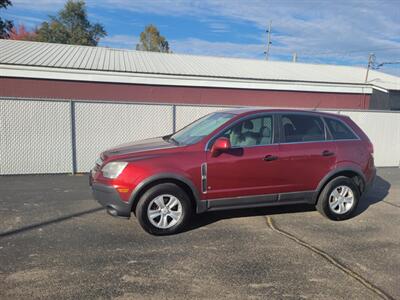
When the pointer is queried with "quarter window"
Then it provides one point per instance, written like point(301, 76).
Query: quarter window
point(302, 128)
point(251, 132)
point(339, 131)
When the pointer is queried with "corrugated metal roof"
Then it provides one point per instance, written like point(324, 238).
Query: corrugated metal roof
point(118, 60)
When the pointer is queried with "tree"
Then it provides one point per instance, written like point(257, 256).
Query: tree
point(5, 25)
point(152, 40)
point(22, 34)
point(71, 26)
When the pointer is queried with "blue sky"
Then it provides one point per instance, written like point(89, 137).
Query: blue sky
point(324, 31)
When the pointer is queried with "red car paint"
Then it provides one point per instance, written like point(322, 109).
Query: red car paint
point(278, 168)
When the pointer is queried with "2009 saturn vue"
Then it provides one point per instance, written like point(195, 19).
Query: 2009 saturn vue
point(236, 159)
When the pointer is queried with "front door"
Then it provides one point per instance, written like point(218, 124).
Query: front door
point(249, 168)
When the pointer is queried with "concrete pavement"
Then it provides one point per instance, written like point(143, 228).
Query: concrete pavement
point(56, 242)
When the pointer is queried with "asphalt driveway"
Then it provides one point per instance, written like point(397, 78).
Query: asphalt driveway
point(57, 243)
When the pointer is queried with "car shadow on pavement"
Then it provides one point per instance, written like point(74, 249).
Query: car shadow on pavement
point(376, 194)
point(215, 216)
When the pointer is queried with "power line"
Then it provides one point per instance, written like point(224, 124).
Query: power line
point(387, 63)
point(350, 51)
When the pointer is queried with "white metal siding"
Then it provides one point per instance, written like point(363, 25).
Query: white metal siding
point(383, 129)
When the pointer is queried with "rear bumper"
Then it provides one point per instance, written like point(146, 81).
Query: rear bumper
point(108, 197)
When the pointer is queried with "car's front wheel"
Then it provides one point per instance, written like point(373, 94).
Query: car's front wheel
point(164, 209)
point(339, 199)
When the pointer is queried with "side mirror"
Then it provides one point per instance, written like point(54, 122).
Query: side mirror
point(221, 145)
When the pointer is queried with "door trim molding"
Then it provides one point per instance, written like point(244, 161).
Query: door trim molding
point(305, 197)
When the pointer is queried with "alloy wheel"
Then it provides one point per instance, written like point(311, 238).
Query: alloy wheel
point(164, 211)
point(341, 199)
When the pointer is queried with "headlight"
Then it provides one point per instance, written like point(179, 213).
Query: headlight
point(113, 169)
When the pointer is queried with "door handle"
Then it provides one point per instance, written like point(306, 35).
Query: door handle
point(270, 158)
point(328, 153)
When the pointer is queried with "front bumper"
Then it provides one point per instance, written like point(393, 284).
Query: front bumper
point(108, 197)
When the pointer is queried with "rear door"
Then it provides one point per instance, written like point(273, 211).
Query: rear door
point(306, 153)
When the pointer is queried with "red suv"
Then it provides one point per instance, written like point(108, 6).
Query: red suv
point(236, 159)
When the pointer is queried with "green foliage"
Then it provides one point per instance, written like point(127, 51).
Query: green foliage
point(5, 25)
point(152, 40)
point(71, 26)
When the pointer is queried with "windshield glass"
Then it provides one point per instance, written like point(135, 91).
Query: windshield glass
point(199, 129)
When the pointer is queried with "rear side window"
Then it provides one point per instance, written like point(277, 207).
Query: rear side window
point(302, 128)
point(338, 130)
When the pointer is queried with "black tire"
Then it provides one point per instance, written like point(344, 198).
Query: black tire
point(323, 200)
point(154, 192)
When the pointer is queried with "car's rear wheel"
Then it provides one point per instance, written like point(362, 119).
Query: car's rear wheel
point(339, 199)
point(164, 209)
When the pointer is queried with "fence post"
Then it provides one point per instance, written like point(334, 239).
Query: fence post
point(173, 118)
point(73, 135)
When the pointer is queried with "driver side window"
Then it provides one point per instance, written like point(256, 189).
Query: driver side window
point(251, 132)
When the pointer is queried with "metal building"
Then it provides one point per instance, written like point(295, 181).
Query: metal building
point(54, 71)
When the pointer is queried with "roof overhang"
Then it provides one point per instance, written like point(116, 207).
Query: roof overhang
point(17, 71)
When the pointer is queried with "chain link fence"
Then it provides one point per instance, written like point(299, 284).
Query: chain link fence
point(44, 137)
point(187, 114)
point(35, 137)
point(100, 126)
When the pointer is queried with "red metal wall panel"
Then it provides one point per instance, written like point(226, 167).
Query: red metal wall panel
point(57, 89)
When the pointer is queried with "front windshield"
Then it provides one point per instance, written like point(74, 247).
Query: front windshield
point(201, 128)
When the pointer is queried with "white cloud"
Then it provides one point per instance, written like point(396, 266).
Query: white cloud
point(219, 27)
point(316, 30)
point(120, 41)
point(39, 5)
point(30, 22)
point(203, 47)
point(308, 27)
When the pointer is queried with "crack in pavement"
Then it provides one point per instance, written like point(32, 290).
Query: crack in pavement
point(330, 259)
point(390, 203)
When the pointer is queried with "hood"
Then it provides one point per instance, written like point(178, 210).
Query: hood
point(139, 146)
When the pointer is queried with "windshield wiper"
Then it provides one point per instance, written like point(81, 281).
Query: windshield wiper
point(170, 139)
point(173, 141)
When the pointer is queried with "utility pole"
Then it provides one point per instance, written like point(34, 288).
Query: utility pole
point(371, 61)
point(268, 40)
